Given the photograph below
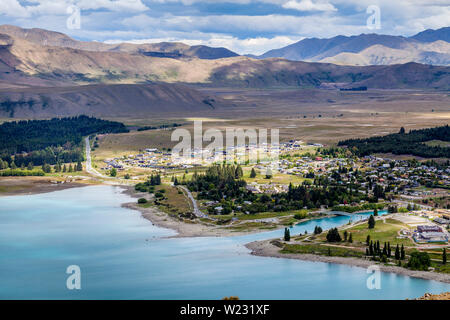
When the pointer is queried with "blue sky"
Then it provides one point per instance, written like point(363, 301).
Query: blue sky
point(245, 26)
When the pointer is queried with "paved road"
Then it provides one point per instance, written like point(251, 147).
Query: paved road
point(196, 210)
point(89, 168)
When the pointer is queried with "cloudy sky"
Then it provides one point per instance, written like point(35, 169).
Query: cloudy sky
point(244, 26)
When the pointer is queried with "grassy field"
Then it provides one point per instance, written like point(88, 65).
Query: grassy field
point(275, 179)
point(322, 249)
point(122, 144)
point(251, 225)
point(317, 244)
point(322, 116)
point(262, 215)
point(383, 232)
point(174, 202)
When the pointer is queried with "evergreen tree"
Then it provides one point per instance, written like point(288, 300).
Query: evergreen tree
point(46, 168)
point(368, 240)
point(70, 168)
point(371, 251)
point(287, 234)
point(385, 249)
point(64, 168)
point(350, 238)
point(13, 165)
point(238, 173)
point(375, 212)
point(253, 173)
point(397, 252)
point(389, 251)
point(79, 166)
point(30, 166)
point(402, 253)
point(345, 235)
point(112, 173)
point(371, 222)
point(444, 256)
point(333, 235)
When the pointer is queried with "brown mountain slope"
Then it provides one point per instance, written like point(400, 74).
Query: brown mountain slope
point(370, 49)
point(175, 50)
point(88, 67)
point(436, 53)
point(105, 100)
point(279, 72)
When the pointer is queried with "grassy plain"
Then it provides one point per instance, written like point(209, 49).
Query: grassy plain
point(312, 115)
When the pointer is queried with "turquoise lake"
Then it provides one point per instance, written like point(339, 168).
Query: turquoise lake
point(123, 256)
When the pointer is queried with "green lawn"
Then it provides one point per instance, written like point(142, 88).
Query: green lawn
point(322, 249)
point(383, 232)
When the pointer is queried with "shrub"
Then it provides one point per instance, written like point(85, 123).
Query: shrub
point(300, 216)
point(419, 261)
point(142, 200)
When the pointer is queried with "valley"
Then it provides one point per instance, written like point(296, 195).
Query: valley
point(89, 130)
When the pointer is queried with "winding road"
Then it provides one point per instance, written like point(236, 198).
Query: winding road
point(94, 172)
point(196, 210)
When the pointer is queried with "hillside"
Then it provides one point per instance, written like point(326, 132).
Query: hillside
point(433, 35)
point(104, 100)
point(164, 49)
point(435, 53)
point(69, 66)
point(429, 47)
point(61, 79)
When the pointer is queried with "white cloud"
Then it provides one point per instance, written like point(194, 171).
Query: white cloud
point(14, 8)
point(312, 25)
point(133, 19)
point(308, 5)
point(113, 5)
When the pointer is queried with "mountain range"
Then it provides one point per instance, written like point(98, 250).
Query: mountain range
point(44, 73)
point(428, 47)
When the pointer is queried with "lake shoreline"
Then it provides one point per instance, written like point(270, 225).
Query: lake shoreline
point(266, 249)
point(183, 229)
point(22, 186)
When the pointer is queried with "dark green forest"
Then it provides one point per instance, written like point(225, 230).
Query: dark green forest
point(403, 143)
point(58, 140)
